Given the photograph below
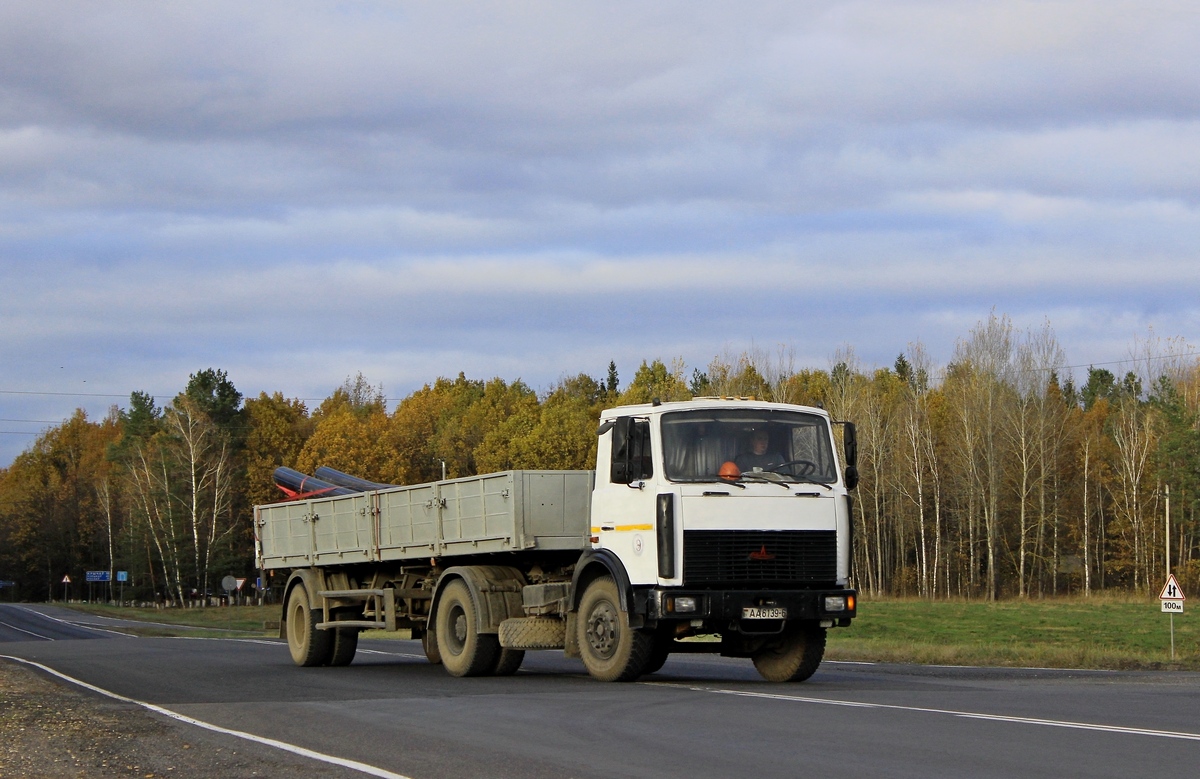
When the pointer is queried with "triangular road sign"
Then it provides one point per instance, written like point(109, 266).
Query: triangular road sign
point(1171, 590)
point(66, 579)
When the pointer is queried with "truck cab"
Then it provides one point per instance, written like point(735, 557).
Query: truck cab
point(726, 522)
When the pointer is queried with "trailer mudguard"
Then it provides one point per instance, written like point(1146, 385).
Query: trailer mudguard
point(313, 580)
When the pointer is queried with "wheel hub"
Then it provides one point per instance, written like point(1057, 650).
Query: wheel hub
point(602, 630)
point(460, 628)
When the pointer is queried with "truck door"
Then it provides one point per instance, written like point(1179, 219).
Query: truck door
point(624, 501)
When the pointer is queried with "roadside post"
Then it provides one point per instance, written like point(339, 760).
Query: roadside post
point(1172, 598)
point(66, 581)
point(122, 577)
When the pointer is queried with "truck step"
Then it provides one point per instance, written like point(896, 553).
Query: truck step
point(369, 624)
point(351, 594)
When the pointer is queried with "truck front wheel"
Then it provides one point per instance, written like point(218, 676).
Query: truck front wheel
point(464, 650)
point(308, 645)
point(611, 650)
point(793, 656)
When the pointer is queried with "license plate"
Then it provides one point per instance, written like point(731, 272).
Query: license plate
point(761, 612)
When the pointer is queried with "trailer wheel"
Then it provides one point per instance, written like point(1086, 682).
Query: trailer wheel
point(611, 650)
point(308, 645)
point(464, 650)
point(345, 642)
point(794, 656)
point(508, 661)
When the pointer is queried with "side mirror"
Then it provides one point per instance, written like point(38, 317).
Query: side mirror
point(850, 445)
point(850, 441)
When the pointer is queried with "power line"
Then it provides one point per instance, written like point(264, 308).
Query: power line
point(69, 394)
point(107, 395)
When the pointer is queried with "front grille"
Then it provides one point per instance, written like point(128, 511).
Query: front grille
point(781, 557)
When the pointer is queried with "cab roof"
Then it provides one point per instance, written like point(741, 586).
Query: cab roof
point(705, 403)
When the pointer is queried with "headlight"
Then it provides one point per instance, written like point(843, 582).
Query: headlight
point(835, 602)
point(682, 605)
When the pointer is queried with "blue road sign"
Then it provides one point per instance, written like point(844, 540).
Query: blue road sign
point(122, 576)
point(97, 576)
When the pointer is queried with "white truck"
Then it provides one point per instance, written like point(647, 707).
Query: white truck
point(709, 525)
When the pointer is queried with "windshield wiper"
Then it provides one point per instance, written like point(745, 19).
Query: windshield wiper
point(802, 480)
point(762, 478)
point(710, 481)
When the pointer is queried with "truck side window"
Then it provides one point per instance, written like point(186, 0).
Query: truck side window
point(631, 459)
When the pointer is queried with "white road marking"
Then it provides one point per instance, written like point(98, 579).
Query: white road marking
point(353, 765)
point(84, 625)
point(392, 654)
point(29, 632)
point(1092, 726)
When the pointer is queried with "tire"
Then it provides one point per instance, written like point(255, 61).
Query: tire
point(508, 661)
point(308, 645)
point(464, 651)
point(429, 644)
point(611, 650)
point(658, 655)
point(345, 642)
point(793, 656)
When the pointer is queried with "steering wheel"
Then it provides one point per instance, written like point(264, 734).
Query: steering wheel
point(809, 467)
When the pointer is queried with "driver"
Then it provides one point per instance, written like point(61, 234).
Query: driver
point(758, 458)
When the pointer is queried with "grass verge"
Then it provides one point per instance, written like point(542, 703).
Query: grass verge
point(1112, 632)
point(214, 621)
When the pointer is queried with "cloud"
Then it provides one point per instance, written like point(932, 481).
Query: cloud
point(298, 191)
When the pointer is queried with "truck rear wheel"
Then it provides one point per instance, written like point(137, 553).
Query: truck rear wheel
point(611, 650)
point(308, 645)
point(429, 644)
point(345, 641)
point(508, 661)
point(464, 650)
point(793, 656)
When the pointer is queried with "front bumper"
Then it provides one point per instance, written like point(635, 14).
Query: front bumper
point(728, 605)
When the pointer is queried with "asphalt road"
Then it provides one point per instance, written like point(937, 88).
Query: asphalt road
point(701, 716)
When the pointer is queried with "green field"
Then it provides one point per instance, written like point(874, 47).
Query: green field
point(1098, 632)
point(1076, 632)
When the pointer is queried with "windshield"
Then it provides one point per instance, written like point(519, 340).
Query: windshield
point(763, 444)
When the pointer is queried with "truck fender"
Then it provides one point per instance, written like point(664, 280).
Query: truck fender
point(593, 564)
point(496, 590)
point(314, 581)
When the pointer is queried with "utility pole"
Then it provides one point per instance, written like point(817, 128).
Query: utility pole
point(1167, 541)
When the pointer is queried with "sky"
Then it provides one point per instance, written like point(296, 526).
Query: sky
point(298, 192)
